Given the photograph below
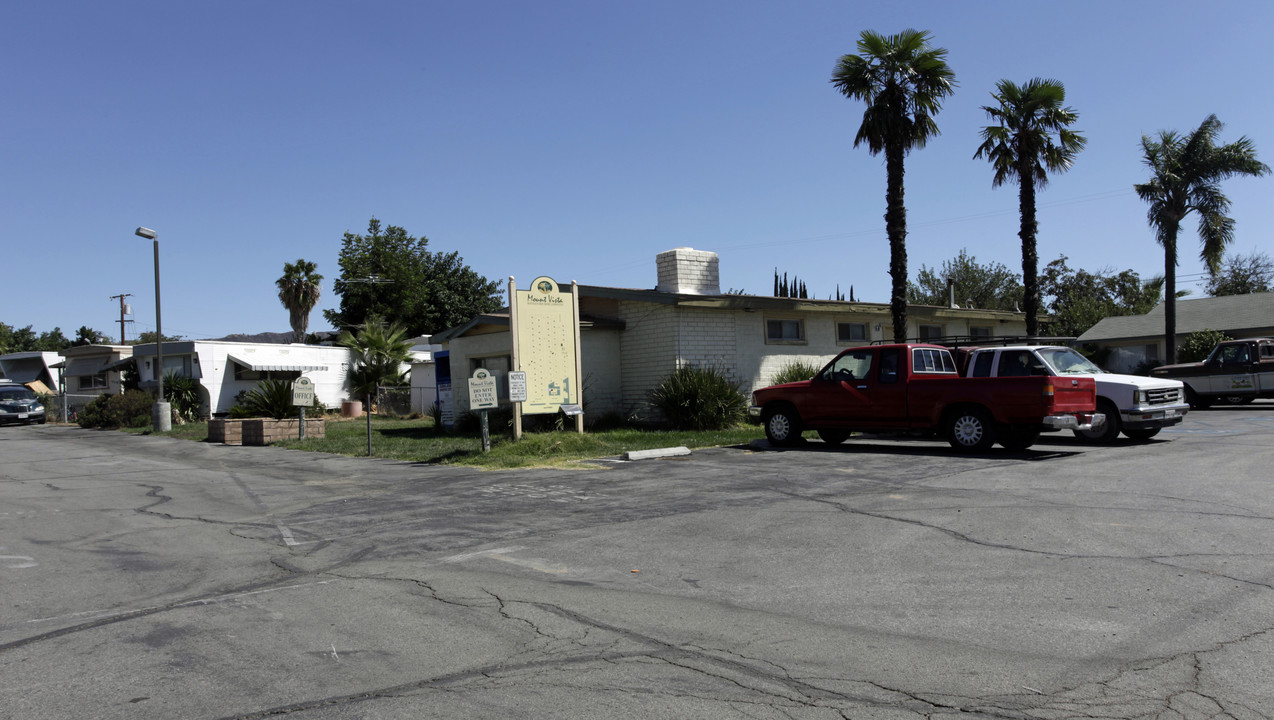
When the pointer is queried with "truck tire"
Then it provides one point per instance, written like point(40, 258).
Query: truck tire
point(833, 437)
point(782, 425)
point(1018, 439)
point(1196, 402)
point(1142, 434)
point(1105, 433)
point(970, 429)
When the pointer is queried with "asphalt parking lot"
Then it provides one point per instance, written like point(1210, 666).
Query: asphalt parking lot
point(148, 577)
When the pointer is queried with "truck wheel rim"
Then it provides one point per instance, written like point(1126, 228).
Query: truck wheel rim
point(779, 426)
point(968, 430)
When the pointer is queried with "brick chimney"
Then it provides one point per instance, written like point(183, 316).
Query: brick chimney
point(688, 271)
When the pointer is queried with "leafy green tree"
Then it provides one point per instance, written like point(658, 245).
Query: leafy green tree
point(1186, 174)
point(1078, 299)
point(394, 276)
point(88, 336)
point(299, 293)
point(52, 341)
point(991, 287)
point(149, 337)
point(377, 354)
point(1197, 346)
point(1243, 274)
point(903, 81)
point(1021, 148)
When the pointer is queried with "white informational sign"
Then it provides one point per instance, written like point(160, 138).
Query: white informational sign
point(482, 390)
point(517, 386)
point(303, 392)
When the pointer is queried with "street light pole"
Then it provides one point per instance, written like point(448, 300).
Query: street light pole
point(161, 413)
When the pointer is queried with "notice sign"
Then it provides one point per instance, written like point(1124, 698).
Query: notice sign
point(303, 392)
point(517, 386)
point(482, 392)
point(546, 346)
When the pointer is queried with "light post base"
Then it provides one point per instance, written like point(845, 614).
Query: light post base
point(161, 415)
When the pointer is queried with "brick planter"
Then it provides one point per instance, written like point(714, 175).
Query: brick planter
point(226, 431)
point(263, 431)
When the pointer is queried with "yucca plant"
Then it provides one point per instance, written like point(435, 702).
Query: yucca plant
point(699, 398)
point(271, 398)
point(795, 371)
point(182, 392)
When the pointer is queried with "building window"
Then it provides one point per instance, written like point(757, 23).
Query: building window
point(243, 373)
point(847, 332)
point(930, 332)
point(784, 331)
point(92, 382)
point(980, 333)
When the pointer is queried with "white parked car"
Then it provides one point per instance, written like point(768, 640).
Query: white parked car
point(1137, 406)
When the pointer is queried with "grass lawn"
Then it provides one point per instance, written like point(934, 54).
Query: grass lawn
point(416, 441)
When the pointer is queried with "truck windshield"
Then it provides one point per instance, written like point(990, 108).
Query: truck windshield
point(1066, 361)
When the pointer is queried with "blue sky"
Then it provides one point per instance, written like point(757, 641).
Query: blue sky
point(569, 139)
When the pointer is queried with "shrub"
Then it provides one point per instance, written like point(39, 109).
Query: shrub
point(183, 393)
point(1198, 345)
point(132, 409)
point(699, 398)
point(270, 398)
point(795, 371)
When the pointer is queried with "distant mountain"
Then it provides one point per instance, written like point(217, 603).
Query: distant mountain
point(278, 338)
point(325, 337)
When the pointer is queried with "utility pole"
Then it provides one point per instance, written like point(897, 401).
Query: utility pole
point(122, 340)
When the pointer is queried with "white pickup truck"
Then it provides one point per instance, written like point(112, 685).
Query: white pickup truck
point(1139, 407)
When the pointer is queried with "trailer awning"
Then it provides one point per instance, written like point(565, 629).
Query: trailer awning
point(268, 362)
point(85, 366)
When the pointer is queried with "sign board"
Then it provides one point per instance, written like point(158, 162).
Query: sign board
point(546, 346)
point(482, 392)
point(517, 386)
point(303, 392)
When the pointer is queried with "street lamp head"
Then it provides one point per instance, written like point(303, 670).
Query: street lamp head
point(147, 233)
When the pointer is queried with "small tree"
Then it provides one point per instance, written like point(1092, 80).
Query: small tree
point(1198, 345)
point(377, 354)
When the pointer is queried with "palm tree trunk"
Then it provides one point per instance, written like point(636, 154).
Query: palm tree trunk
point(896, 228)
point(1030, 260)
point(1170, 294)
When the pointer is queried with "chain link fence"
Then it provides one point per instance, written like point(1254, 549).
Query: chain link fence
point(74, 403)
point(393, 401)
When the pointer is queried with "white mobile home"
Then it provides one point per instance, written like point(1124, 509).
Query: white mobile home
point(225, 369)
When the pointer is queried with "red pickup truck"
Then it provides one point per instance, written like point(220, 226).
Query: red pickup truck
point(916, 388)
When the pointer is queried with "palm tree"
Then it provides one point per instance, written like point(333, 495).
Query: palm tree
point(377, 354)
point(1022, 147)
point(299, 293)
point(903, 81)
point(1186, 174)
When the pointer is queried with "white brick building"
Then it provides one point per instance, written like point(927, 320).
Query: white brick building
point(632, 339)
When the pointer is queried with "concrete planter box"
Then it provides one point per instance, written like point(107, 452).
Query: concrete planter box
point(226, 431)
point(263, 431)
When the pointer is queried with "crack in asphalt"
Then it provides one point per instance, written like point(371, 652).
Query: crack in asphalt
point(1154, 559)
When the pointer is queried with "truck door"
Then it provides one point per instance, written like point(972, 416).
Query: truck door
point(1231, 370)
point(1265, 367)
point(838, 394)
